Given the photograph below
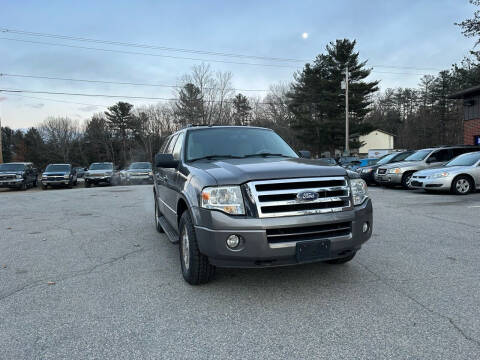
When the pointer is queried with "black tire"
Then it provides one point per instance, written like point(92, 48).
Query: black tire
point(87, 184)
point(196, 268)
point(157, 215)
point(342, 260)
point(44, 187)
point(24, 186)
point(462, 185)
point(406, 180)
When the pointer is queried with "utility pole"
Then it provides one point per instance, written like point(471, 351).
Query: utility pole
point(347, 129)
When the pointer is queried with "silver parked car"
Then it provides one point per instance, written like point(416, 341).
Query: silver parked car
point(460, 175)
point(401, 173)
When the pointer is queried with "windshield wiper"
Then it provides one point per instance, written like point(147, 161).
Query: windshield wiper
point(265, 155)
point(210, 157)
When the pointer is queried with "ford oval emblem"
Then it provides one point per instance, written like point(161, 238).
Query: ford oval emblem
point(307, 195)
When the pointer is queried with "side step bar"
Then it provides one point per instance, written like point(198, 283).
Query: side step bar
point(169, 230)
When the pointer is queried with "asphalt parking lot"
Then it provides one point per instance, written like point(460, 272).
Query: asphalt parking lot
point(84, 274)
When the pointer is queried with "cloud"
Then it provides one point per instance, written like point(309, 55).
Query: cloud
point(36, 106)
point(88, 108)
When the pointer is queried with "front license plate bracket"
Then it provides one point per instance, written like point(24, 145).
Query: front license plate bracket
point(312, 250)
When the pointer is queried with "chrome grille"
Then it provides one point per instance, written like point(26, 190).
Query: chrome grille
point(7, 177)
point(274, 198)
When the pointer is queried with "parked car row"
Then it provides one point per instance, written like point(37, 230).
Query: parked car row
point(444, 168)
point(23, 175)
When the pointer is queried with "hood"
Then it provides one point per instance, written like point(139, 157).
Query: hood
point(400, 164)
point(449, 169)
point(239, 171)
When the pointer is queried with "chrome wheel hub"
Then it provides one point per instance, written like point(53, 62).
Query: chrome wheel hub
point(462, 186)
point(185, 249)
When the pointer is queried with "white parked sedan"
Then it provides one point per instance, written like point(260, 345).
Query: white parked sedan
point(460, 175)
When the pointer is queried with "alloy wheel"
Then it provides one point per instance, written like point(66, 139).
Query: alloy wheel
point(185, 249)
point(462, 186)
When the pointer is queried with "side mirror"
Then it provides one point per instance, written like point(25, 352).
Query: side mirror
point(165, 161)
point(305, 154)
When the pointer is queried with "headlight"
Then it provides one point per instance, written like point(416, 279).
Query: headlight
point(228, 199)
point(367, 170)
point(150, 173)
point(394, 171)
point(19, 176)
point(66, 176)
point(108, 173)
point(439, 175)
point(359, 191)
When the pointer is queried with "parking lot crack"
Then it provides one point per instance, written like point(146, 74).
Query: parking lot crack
point(86, 271)
point(423, 306)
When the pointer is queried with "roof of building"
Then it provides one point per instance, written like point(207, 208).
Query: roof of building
point(465, 93)
point(380, 130)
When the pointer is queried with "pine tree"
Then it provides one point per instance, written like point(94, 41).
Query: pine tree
point(189, 109)
point(318, 102)
point(241, 110)
point(120, 118)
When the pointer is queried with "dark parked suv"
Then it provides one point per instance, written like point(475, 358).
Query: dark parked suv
point(241, 197)
point(59, 175)
point(19, 175)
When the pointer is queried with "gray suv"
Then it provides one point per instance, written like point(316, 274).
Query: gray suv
point(400, 173)
point(236, 196)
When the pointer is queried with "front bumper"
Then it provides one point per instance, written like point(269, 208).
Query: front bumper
point(440, 184)
point(11, 183)
point(368, 176)
point(99, 179)
point(55, 182)
point(388, 179)
point(140, 179)
point(256, 251)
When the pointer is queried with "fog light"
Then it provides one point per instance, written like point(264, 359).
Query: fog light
point(365, 227)
point(233, 241)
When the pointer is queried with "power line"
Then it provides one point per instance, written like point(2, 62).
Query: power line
point(173, 49)
point(146, 46)
point(114, 82)
point(55, 100)
point(145, 54)
point(182, 58)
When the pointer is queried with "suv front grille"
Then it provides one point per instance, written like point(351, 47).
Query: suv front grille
point(7, 177)
point(315, 232)
point(275, 198)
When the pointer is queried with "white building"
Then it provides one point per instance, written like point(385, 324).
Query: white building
point(376, 140)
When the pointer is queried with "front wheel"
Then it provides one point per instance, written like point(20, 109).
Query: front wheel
point(196, 269)
point(461, 185)
point(406, 180)
point(87, 184)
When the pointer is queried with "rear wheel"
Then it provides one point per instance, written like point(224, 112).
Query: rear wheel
point(461, 185)
point(342, 260)
point(196, 268)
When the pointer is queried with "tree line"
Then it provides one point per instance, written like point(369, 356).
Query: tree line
point(308, 112)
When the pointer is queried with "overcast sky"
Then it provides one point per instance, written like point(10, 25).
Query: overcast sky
point(414, 33)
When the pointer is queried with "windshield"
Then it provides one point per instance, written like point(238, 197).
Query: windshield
point(386, 159)
point(101, 166)
point(465, 160)
point(140, 165)
point(236, 142)
point(12, 167)
point(419, 155)
point(59, 168)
